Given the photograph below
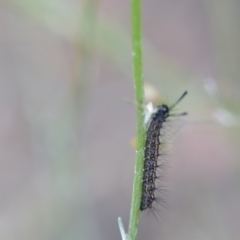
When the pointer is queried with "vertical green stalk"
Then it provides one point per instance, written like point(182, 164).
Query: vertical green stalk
point(139, 98)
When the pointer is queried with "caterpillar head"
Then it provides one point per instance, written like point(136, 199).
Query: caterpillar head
point(164, 110)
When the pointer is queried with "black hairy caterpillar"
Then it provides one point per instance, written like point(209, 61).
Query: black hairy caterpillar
point(151, 153)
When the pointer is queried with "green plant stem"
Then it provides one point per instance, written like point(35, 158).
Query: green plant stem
point(139, 97)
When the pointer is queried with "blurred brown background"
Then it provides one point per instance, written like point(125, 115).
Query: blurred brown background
point(66, 165)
